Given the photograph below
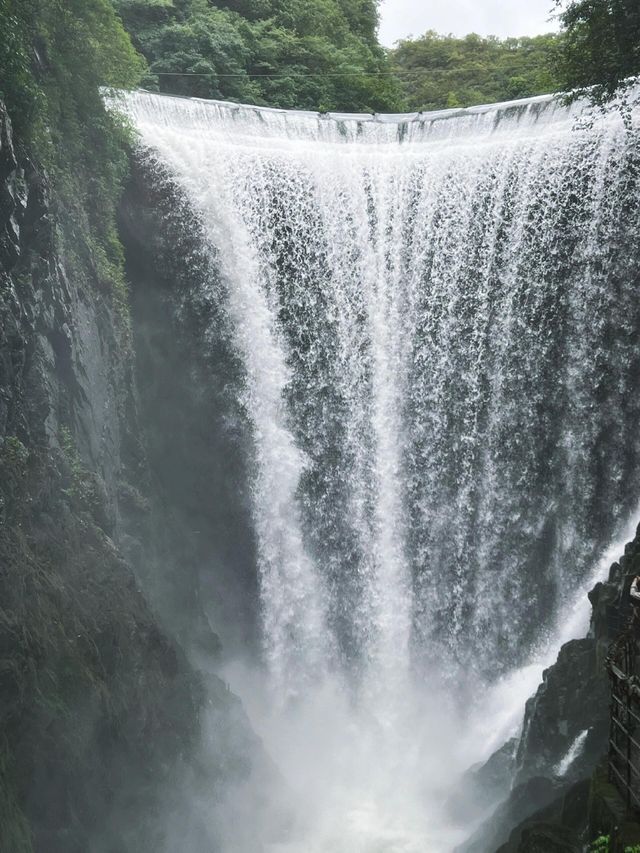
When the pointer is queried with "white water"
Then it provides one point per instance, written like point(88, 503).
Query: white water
point(436, 319)
point(572, 753)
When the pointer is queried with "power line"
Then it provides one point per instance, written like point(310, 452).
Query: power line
point(281, 75)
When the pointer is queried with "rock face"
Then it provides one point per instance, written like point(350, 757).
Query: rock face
point(99, 709)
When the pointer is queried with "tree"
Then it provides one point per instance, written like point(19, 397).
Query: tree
point(600, 45)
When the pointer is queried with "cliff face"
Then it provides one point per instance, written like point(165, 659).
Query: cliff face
point(99, 709)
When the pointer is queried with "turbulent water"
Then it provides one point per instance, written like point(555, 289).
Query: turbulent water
point(437, 321)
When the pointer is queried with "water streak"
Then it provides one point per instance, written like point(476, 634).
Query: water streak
point(572, 753)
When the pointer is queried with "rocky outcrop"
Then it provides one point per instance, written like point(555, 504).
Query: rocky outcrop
point(568, 717)
point(589, 810)
point(560, 825)
point(571, 703)
point(549, 838)
point(100, 711)
point(573, 700)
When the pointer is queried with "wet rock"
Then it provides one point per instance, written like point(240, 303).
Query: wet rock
point(525, 800)
point(548, 838)
point(572, 699)
point(567, 815)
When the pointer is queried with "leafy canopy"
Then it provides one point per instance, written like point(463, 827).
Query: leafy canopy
point(439, 71)
point(601, 44)
point(305, 54)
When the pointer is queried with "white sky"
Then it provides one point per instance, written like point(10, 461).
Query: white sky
point(400, 18)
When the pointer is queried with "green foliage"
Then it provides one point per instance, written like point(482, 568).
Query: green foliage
point(17, 85)
point(439, 71)
point(598, 46)
point(77, 487)
point(84, 491)
point(601, 44)
point(54, 56)
point(57, 56)
point(305, 54)
point(14, 456)
point(602, 844)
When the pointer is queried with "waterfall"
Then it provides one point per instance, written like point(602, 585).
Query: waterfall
point(572, 753)
point(438, 323)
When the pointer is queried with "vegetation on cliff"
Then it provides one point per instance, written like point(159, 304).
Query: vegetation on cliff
point(55, 56)
point(98, 706)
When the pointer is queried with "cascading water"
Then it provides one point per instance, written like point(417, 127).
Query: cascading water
point(438, 323)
